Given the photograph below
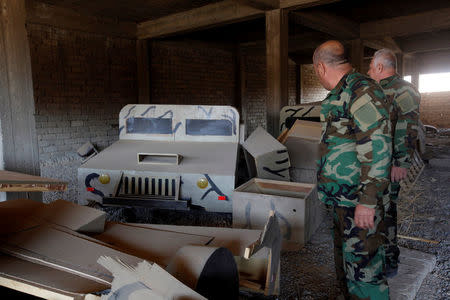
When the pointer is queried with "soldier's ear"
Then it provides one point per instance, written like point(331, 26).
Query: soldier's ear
point(379, 68)
point(320, 69)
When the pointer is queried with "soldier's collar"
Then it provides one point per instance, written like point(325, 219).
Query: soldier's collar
point(389, 79)
point(337, 89)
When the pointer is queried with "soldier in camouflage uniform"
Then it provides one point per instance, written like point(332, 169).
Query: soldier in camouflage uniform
point(403, 100)
point(353, 171)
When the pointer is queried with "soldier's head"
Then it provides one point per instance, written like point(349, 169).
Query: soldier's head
point(330, 63)
point(383, 65)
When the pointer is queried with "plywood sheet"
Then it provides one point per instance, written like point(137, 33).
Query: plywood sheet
point(73, 216)
point(233, 239)
point(63, 251)
point(151, 244)
point(19, 182)
point(46, 277)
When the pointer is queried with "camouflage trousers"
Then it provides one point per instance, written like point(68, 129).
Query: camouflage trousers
point(390, 222)
point(359, 256)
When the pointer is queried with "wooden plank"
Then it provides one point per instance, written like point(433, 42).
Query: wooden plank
point(43, 281)
point(277, 66)
point(20, 146)
point(296, 4)
point(46, 14)
point(261, 4)
point(19, 182)
point(219, 13)
point(143, 71)
point(428, 21)
point(426, 42)
point(328, 23)
point(385, 42)
point(57, 249)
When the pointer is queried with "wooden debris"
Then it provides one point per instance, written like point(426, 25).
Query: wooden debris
point(417, 239)
point(18, 182)
point(413, 174)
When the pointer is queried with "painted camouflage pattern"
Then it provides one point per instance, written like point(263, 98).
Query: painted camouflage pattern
point(355, 149)
point(359, 259)
point(403, 100)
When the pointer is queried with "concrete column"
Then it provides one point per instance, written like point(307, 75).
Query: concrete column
point(20, 148)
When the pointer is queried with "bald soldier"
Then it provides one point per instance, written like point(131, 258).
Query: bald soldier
point(353, 171)
point(403, 100)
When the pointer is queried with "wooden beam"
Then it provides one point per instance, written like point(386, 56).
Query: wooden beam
point(277, 66)
point(261, 4)
point(219, 13)
point(301, 59)
point(385, 42)
point(428, 21)
point(42, 13)
point(17, 111)
point(328, 23)
point(215, 14)
point(143, 71)
point(427, 42)
point(296, 4)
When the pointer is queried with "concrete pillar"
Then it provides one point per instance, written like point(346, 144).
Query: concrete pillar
point(20, 148)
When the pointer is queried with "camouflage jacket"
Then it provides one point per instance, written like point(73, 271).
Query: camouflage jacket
point(404, 100)
point(355, 148)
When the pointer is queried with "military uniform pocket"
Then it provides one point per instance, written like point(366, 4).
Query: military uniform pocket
point(364, 112)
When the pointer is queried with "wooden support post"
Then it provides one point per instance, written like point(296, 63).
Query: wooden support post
point(357, 54)
point(400, 69)
point(238, 77)
point(415, 79)
point(143, 71)
point(277, 66)
point(16, 94)
point(298, 83)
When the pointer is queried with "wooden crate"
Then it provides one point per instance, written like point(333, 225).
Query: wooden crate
point(297, 212)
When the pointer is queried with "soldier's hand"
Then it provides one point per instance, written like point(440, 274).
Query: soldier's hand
point(398, 173)
point(364, 217)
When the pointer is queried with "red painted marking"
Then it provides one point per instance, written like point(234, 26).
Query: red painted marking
point(222, 198)
point(90, 189)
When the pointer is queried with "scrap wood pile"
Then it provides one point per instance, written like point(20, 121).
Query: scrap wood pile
point(65, 251)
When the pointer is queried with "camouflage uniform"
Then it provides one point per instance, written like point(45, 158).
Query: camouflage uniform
point(403, 100)
point(354, 166)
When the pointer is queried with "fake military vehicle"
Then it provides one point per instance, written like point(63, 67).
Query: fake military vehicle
point(167, 156)
point(307, 112)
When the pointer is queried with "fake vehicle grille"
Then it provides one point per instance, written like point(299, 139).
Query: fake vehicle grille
point(135, 185)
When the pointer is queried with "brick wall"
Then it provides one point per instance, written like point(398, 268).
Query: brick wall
point(81, 81)
point(190, 73)
point(435, 108)
point(312, 90)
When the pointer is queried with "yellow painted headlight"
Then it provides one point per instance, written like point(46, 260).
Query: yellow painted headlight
point(104, 178)
point(202, 183)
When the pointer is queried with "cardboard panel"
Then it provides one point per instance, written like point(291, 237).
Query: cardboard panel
point(151, 244)
point(251, 206)
point(302, 142)
point(271, 159)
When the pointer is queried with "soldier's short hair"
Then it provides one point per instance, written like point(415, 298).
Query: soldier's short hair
point(331, 53)
point(386, 57)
